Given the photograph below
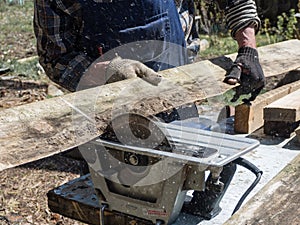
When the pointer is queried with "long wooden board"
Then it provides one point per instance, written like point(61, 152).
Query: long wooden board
point(249, 118)
point(40, 129)
point(276, 203)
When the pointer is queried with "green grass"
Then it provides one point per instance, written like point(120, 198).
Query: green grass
point(224, 45)
point(16, 18)
point(17, 40)
point(219, 45)
point(16, 25)
point(28, 69)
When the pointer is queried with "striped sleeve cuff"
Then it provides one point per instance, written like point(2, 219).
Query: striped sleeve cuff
point(242, 14)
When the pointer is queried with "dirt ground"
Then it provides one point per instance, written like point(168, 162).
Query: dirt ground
point(23, 190)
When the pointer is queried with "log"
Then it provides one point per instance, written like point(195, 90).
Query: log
point(276, 203)
point(37, 130)
point(249, 118)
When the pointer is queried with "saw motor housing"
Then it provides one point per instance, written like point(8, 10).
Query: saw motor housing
point(145, 168)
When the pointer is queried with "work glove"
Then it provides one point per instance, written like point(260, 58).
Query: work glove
point(248, 72)
point(121, 69)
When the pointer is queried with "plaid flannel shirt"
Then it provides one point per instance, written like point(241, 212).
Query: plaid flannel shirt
point(56, 24)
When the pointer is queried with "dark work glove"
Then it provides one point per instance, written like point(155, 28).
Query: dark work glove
point(248, 72)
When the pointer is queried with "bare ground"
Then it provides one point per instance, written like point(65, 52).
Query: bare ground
point(23, 190)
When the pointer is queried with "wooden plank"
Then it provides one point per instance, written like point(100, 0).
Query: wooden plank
point(33, 131)
point(249, 118)
point(286, 109)
point(44, 128)
point(276, 203)
point(289, 77)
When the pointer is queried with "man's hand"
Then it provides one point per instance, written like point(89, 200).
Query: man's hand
point(121, 69)
point(246, 69)
point(248, 72)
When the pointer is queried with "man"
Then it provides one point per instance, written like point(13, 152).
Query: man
point(72, 34)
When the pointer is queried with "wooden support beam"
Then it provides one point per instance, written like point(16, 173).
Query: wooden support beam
point(37, 130)
point(282, 116)
point(289, 77)
point(276, 203)
point(285, 109)
point(249, 118)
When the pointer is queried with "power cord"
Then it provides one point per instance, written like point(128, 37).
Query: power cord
point(258, 173)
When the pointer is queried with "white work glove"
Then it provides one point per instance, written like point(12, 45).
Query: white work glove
point(121, 69)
